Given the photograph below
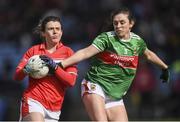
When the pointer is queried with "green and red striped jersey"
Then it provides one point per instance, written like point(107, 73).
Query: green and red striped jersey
point(114, 68)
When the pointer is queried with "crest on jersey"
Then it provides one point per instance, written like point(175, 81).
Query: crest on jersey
point(93, 87)
point(135, 51)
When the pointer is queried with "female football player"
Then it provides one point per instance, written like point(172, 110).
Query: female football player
point(43, 98)
point(115, 58)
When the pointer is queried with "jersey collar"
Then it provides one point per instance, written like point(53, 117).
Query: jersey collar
point(43, 46)
point(127, 40)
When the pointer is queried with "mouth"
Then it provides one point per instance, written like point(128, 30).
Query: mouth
point(54, 37)
point(119, 31)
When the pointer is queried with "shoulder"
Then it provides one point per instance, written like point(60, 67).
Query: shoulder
point(109, 34)
point(106, 36)
point(35, 47)
point(68, 49)
point(135, 36)
point(33, 50)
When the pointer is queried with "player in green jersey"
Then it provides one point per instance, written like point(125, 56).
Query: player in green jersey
point(115, 58)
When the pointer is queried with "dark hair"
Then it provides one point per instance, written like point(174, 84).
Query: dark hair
point(42, 23)
point(108, 24)
point(123, 10)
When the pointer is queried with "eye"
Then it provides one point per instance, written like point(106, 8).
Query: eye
point(58, 28)
point(122, 22)
point(50, 28)
point(115, 23)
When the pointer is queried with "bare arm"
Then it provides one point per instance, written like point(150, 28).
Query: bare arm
point(152, 57)
point(80, 56)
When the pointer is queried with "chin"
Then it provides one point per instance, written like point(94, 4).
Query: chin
point(56, 40)
point(120, 35)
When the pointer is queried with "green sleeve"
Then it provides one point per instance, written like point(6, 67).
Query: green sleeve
point(142, 47)
point(101, 41)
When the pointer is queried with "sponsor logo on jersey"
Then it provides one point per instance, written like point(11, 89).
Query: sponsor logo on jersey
point(123, 61)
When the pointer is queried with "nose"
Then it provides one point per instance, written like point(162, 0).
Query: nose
point(118, 25)
point(54, 31)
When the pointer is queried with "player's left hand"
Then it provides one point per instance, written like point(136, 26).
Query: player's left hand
point(49, 62)
point(165, 74)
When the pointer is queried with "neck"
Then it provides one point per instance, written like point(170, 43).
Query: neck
point(126, 37)
point(50, 47)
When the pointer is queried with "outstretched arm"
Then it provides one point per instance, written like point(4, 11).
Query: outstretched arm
point(80, 56)
point(152, 57)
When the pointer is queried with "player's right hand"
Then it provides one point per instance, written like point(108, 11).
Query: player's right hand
point(165, 74)
point(29, 69)
point(33, 65)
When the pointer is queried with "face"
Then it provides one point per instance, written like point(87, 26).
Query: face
point(53, 32)
point(122, 25)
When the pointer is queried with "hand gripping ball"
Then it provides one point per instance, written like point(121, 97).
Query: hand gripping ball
point(39, 68)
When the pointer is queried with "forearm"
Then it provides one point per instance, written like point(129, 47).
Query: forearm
point(19, 74)
point(80, 55)
point(77, 57)
point(152, 57)
point(66, 77)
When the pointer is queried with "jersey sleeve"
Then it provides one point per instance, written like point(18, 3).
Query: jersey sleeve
point(19, 74)
point(68, 75)
point(142, 46)
point(101, 41)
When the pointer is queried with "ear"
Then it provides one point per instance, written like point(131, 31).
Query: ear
point(132, 22)
point(43, 34)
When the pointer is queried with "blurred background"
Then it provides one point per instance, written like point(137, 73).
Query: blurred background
point(158, 23)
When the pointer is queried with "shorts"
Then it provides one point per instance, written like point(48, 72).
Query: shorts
point(29, 105)
point(93, 88)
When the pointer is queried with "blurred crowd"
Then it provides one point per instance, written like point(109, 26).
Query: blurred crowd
point(157, 21)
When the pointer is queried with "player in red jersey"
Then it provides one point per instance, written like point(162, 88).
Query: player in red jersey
point(43, 98)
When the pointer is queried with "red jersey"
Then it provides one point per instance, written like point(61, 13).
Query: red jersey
point(50, 90)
